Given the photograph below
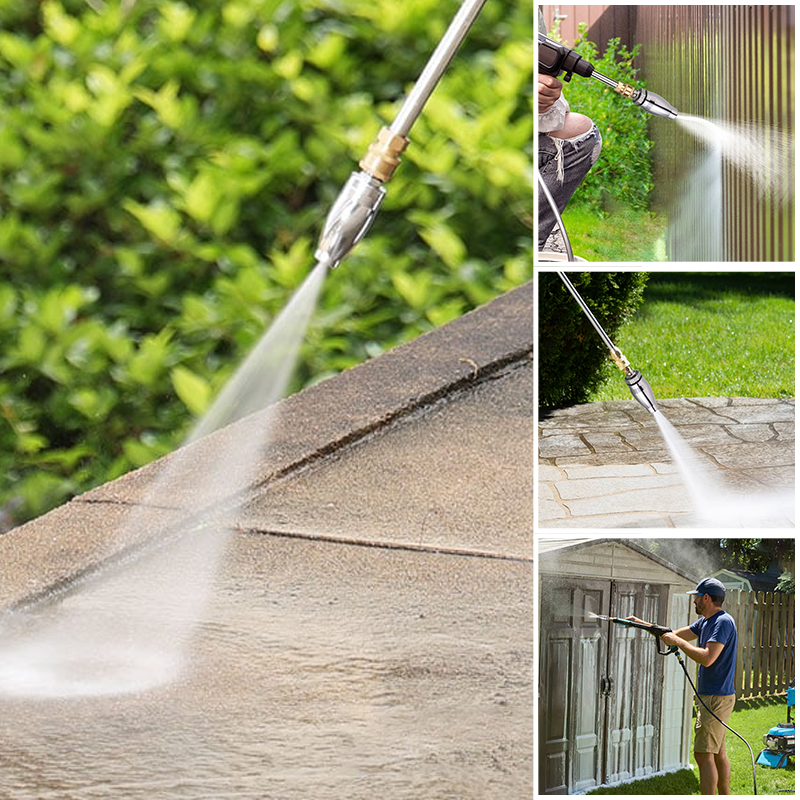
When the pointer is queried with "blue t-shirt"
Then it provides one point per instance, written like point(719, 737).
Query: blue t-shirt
point(718, 678)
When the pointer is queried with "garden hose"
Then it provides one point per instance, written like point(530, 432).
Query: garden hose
point(752, 757)
point(561, 227)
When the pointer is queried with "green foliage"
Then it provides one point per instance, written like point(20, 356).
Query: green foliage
point(623, 173)
point(165, 169)
point(757, 555)
point(571, 354)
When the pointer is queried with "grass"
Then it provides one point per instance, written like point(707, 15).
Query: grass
point(623, 235)
point(752, 723)
point(711, 335)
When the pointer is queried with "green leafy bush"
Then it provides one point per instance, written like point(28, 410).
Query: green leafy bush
point(623, 173)
point(571, 354)
point(165, 169)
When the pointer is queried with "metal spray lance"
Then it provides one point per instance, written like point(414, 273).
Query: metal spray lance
point(555, 58)
point(639, 387)
point(358, 202)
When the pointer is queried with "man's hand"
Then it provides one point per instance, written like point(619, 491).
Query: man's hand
point(640, 621)
point(672, 639)
point(549, 91)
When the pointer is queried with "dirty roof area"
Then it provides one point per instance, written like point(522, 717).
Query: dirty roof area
point(370, 629)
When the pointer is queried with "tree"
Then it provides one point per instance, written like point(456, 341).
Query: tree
point(701, 557)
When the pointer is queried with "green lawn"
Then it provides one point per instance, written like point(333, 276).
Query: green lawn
point(622, 235)
point(752, 724)
point(711, 334)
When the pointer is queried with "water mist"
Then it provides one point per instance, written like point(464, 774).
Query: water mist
point(716, 505)
point(128, 627)
point(764, 155)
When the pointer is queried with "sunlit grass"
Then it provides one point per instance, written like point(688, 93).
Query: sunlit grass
point(623, 235)
point(710, 335)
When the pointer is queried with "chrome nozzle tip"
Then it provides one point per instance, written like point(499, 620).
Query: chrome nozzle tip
point(349, 218)
point(641, 390)
point(654, 104)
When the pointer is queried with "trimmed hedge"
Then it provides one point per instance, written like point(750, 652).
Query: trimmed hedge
point(165, 168)
point(623, 175)
point(571, 354)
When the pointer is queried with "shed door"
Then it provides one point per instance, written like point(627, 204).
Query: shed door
point(572, 662)
point(599, 684)
point(636, 671)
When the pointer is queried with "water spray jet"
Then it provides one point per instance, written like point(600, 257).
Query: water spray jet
point(636, 382)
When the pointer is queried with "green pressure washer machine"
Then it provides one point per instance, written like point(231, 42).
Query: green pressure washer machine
point(779, 742)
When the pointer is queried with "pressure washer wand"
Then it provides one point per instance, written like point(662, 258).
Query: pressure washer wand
point(656, 630)
point(354, 210)
point(555, 58)
point(639, 387)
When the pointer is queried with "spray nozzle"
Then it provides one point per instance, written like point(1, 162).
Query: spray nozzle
point(350, 218)
point(654, 104)
point(641, 390)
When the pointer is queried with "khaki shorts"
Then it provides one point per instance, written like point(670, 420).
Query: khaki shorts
point(709, 733)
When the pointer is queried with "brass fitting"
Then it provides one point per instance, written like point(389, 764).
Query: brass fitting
point(383, 155)
point(620, 360)
point(624, 89)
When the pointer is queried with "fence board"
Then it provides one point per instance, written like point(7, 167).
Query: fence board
point(765, 652)
point(750, 611)
point(741, 607)
point(763, 645)
point(733, 63)
point(780, 672)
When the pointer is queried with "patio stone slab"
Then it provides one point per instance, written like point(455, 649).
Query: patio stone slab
point(610, 466)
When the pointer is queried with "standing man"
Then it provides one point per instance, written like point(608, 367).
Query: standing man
point(716, 655)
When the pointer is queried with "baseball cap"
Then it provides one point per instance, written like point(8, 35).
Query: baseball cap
point(710, 586)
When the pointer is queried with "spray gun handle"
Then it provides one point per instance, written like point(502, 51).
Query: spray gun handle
point(658, 631)
point(673, 648)
point(555, 58)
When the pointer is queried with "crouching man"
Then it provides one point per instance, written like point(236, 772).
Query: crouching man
point(716, 655)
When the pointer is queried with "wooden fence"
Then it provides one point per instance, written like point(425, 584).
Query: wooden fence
point(765, 626)
point(729, 63)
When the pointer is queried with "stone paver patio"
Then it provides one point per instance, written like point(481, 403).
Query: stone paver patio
point(606, 465)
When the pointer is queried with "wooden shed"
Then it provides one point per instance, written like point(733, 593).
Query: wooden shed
point(610, 708)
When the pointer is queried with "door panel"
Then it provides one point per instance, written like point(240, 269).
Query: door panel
point(573, 654)
point(555, 668)
point(599, 684)
point(635, 703)
point(621, 668)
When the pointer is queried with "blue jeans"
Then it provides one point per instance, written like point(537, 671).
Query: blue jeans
point(563, 164)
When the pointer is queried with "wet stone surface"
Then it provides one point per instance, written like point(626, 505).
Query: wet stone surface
point(606, 465)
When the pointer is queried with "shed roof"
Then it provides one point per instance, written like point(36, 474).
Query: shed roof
point(551, 548)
